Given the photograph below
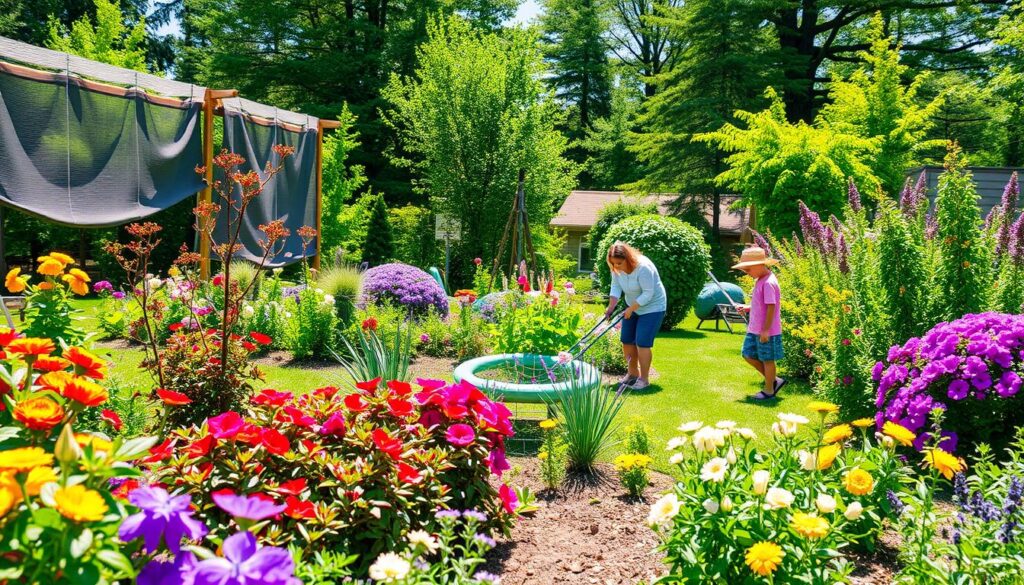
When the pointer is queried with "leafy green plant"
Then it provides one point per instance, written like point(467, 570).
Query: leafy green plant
point(638, 440)
point(633, 474)
point(678, 251)
point(246, 274)
point(341, 281)
point(589, 413)
point(552, 454)
point(49, 312)
point(375, 358)
point(312, 330)
point(543, 325)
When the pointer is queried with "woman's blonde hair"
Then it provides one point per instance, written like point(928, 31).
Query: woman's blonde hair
point(623, 251)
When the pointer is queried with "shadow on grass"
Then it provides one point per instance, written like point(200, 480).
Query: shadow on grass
point(797, 387)
point(682, 334)
point(653, 388)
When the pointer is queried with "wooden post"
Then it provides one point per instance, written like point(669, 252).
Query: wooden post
point(206, 195)
point(321, 126)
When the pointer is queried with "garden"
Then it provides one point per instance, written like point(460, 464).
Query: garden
point(275, 382)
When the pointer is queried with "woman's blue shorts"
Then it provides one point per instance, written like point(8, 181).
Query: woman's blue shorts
point(639, 330)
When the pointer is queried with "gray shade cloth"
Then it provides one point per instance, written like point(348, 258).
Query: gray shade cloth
point(291, 194)
point(82, 157)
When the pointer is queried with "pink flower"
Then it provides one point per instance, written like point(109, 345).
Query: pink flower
point(509, 500)
point(460, 435)
point(846, 341)
point(334, 425)
point(226, 426)
point(477, 261)
point(497, 462)
point(430, 418)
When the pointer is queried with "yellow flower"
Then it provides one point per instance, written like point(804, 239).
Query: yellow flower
point(946, 464)
point(173, 271)
point(837, 434)
point(899, 433)
point(809, 525)
point(858, 482)
point(80, 504)
point(822, 407)
point(542, 455)
point(10, 493)
point(863, 423)
point(39, 477)
point(24, 459)
point(827, 455)
point(78, 281)
point(99, 444)
point(15, 283)
point(50, 267)
point(764, 557)
point(549, 424)
point(60, 257)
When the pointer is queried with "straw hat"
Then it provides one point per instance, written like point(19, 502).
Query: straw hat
point(753, 256)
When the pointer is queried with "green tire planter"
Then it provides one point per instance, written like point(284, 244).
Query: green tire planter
point(536, 393)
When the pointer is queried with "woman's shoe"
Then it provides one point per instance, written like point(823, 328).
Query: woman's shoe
point(640, 384)
point(628, 380)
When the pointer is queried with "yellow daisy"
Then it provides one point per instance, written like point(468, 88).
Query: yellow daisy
point(764, 557)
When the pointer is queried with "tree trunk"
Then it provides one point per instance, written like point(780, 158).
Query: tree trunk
point(797, 39)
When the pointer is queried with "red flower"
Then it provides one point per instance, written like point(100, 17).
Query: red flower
point(370, 324)
point(293, 415)
point(175, 326)
point(334, 425)
point(399, 408)
point(408, 473)
point(218, 280)
point(271, 397)
point(293, 487)
point(455, 411)
point(299, 509)
point(327, 391)
point(226, 425)
point(160, 452)
point(550, 287)
point(7, 335)
point(200, 448)
point(401, 389)
point(369, 387)
point(249, 346)
point(356, 403)
point(274, 442)
point(110, 417)
point(391, 446)
point(261, 338)
point(477, 261)
point(126, 487)
point(428, 385)
point(172, 398)
point(509, 500)
point(250, 434)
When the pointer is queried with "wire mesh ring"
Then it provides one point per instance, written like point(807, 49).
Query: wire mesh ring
point(537, 392)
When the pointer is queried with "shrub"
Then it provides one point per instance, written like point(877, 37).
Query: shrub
point(49, 312)
point(612, 214)
point(352, 472)
point(404, 286)
point(784, 514)
point(459, 336)
point(342, 282)
point(971, 367)
point(114, 313)
point(312, 329)
point(638, 440)
point(633, 474)
point(539, 324)
point(677, 249)
point(606, 354)
point(378, 246)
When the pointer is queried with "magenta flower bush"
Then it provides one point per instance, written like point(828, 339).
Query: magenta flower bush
point(405, 286)
point(971, 367)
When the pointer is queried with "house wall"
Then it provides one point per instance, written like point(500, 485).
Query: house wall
point(989, 181)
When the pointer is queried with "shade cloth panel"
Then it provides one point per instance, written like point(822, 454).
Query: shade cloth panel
point(89, 158)
point(290, 195)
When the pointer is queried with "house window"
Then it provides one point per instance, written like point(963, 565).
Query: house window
point(586, 264)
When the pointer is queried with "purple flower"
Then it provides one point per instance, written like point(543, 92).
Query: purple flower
point(958, 389)
point(202, 311)
point(1008, 208)
point(247, 507)
point(485, 577)
point(1015, 247)
point(162, 516)
point(485, 540)
point(178, 572)
point(853, 196)
point(117, 295)
point(245, 564)
point(424, 338)
point(103, 285)
point(448, 514)
point(406, 286)
point(475, 515)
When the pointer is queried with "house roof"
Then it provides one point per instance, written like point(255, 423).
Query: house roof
point(581, 209)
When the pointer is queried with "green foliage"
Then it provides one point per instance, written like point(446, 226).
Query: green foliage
point(606, 354)
point(460, 336)
point(412, 230)
point(468, 130)
point(341, 281)
point(678, 251)
point(378, 247)
point(376, 358)
point(540, 325)
point(589, 415)
point(638, 440)
point(133, 409)
point(312, 329)
point(612, 163)
point(775, 163)
point(632, 470)
point(904, 280)
point(341, 180)
point(612, 214)
point(244, 273)
point(109, 41)
point(552, 454)
point(964, 278)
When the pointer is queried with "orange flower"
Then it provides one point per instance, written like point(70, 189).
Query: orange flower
point(55, 381)
point(15, 283)
point(60, 257)
point(7, 335)
point(50, 267)
point(85, 392)
point(39, 414)
point(45, 286)
point(86, 364)
point(50, 363)
point(172, 398)
point(78, 281)
point(31, 346)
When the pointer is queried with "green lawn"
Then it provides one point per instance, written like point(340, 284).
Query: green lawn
point(700, 376)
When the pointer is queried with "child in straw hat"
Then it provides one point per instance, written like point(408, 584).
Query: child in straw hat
point(762, 346)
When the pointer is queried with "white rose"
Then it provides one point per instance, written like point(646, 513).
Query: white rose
point(664, 510)
point(727, 504)
point(676, 459)
point(711, 506)
point(853, 511)
point(761, 478)
point(714, 470)
point(691, 426)
point(389, 568)
point(777, 498)
point(825, 503)
point(676, 443)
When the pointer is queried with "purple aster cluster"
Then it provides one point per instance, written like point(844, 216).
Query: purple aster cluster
point(913, 199)
point(405, 286)
point(292, 292)
point(1008, 209)
point(853, 196)
point(977, 356)
point(973, 505)
point(1015, 248)
point(829, 239)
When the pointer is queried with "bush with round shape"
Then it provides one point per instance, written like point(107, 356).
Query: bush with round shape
point(971, 367)
point(676, 248)
point(405, 286)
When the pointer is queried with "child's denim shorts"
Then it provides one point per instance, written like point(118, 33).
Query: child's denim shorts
point(765, 352)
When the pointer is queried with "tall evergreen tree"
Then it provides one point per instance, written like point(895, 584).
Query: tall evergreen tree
point(1009, 82)
point(379, 247)
point(577, 51)
point(107, 41)
point(642, 41)
point(611, 163)
point(724, 67)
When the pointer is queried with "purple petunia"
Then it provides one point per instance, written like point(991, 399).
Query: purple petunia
point(117, 295)
point(102, 286)
point(405, 286)
point(244, 563)
point(162, 516)
point(180, 571)
point(247, 507)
